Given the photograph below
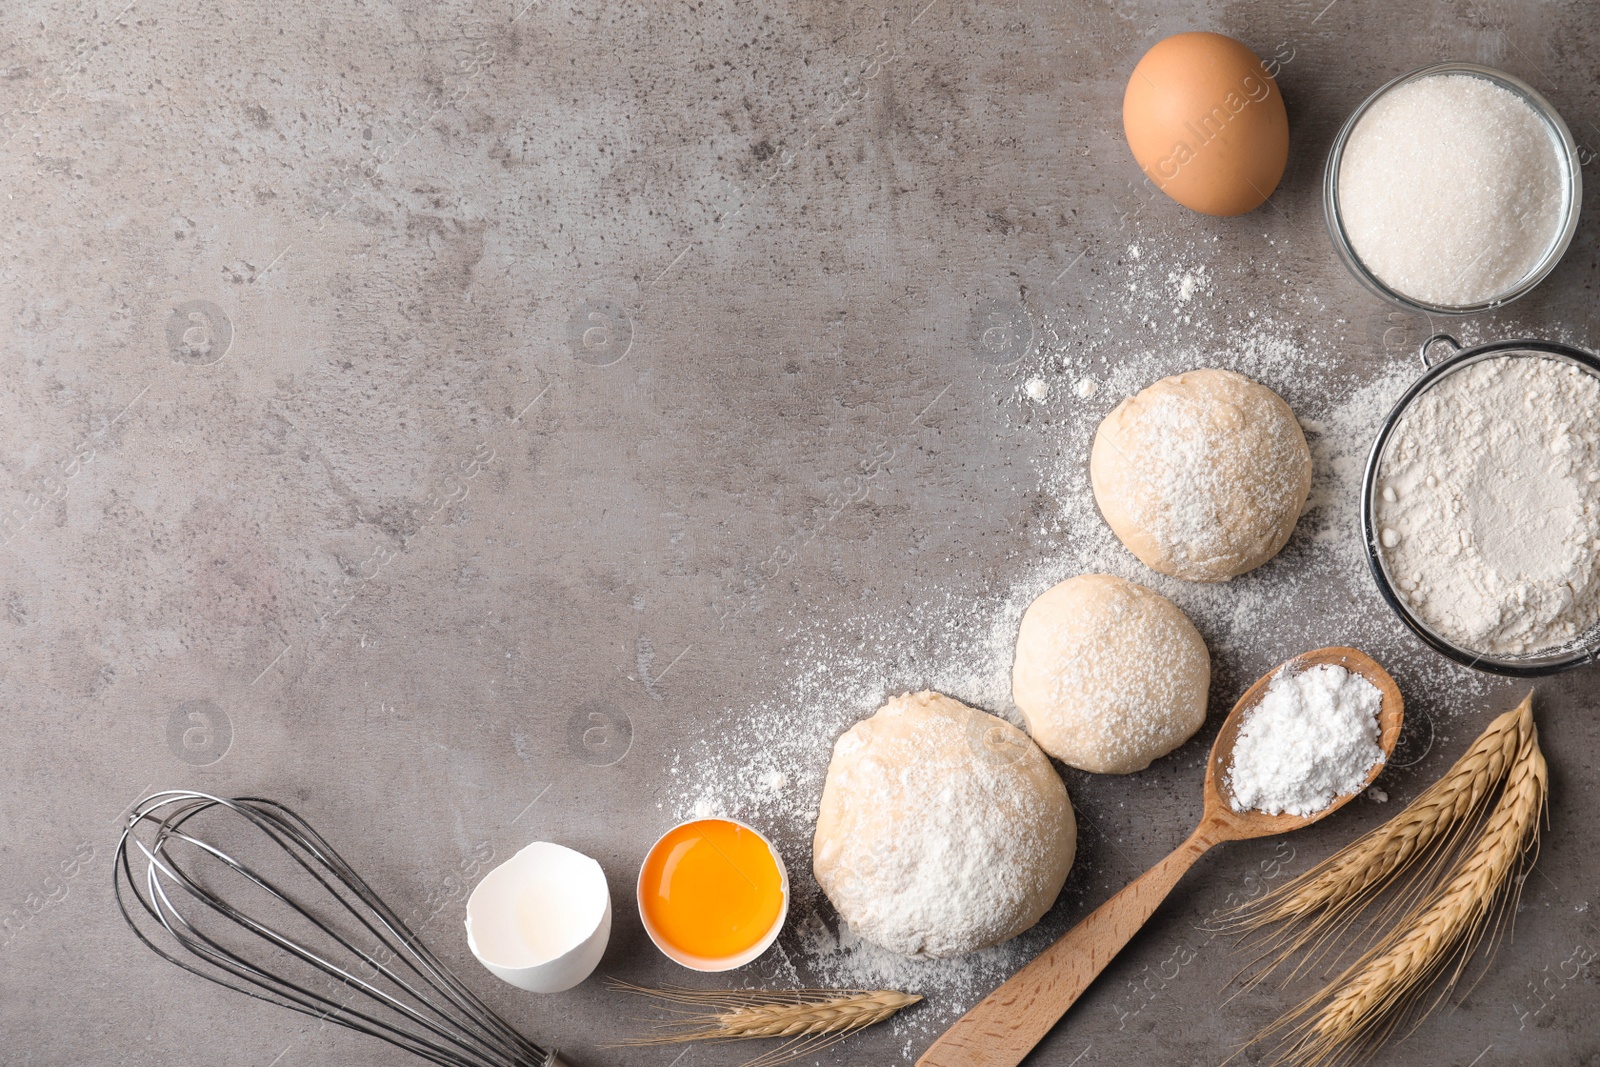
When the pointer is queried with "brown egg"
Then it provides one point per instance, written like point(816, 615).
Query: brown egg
point(1206, 123)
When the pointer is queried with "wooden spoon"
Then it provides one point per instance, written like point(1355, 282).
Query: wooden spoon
point(1006, 1025)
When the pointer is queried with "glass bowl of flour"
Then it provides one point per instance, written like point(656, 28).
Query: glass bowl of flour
point(1453, 189)
point(1481, 506)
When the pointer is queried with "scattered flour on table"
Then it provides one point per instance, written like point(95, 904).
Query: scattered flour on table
point(1184, 286)
point(839, 667)
point(1312, 737)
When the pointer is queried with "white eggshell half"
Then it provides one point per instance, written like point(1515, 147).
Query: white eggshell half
point(541, 919)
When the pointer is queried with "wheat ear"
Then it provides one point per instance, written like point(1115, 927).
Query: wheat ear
point(811, 1018)
point(1347, 1019)
point(840, 1015)
point(1315, 912)
point(1370, 861)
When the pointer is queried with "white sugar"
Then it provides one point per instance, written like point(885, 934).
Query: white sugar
point(1451, 189)
point(1312, 737)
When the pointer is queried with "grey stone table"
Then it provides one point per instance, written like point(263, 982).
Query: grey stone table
point(475, 423)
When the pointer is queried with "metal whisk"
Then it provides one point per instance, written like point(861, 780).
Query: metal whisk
point(296, 926)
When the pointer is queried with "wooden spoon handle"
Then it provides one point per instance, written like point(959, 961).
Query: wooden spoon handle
point(1005, 1026)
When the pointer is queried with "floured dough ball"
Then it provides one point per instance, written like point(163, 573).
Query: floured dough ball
point(942, 829)
point(1203, 475)
point(1109, 675)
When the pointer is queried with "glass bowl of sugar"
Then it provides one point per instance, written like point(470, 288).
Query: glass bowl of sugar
point(1480, 506)
point(1453, 189)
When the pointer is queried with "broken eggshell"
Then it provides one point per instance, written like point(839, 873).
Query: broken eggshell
point(541, 920)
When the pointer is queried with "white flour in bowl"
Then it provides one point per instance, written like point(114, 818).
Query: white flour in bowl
point(1489, 508)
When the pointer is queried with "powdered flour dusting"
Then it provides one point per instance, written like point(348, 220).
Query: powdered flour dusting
point(1312, 737)
point(1203, 474)
point(943, 829)
point(845, 656)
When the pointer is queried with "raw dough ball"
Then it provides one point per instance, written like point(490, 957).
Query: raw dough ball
point(1109, 675)
point(942, 829)
point(1203, 475)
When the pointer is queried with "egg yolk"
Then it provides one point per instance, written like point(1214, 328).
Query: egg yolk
point(711, 888)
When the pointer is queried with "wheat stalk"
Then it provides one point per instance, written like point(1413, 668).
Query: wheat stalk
point(840, 1015)
point(1348, 1018)
point(811, 1018)
point(1369, 861)
point(1314, 913)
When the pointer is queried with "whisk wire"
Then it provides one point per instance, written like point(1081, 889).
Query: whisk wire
point(453, 988)
point(338, 973)
point(284, 992)
point(436, 1016)
point(289, 994)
